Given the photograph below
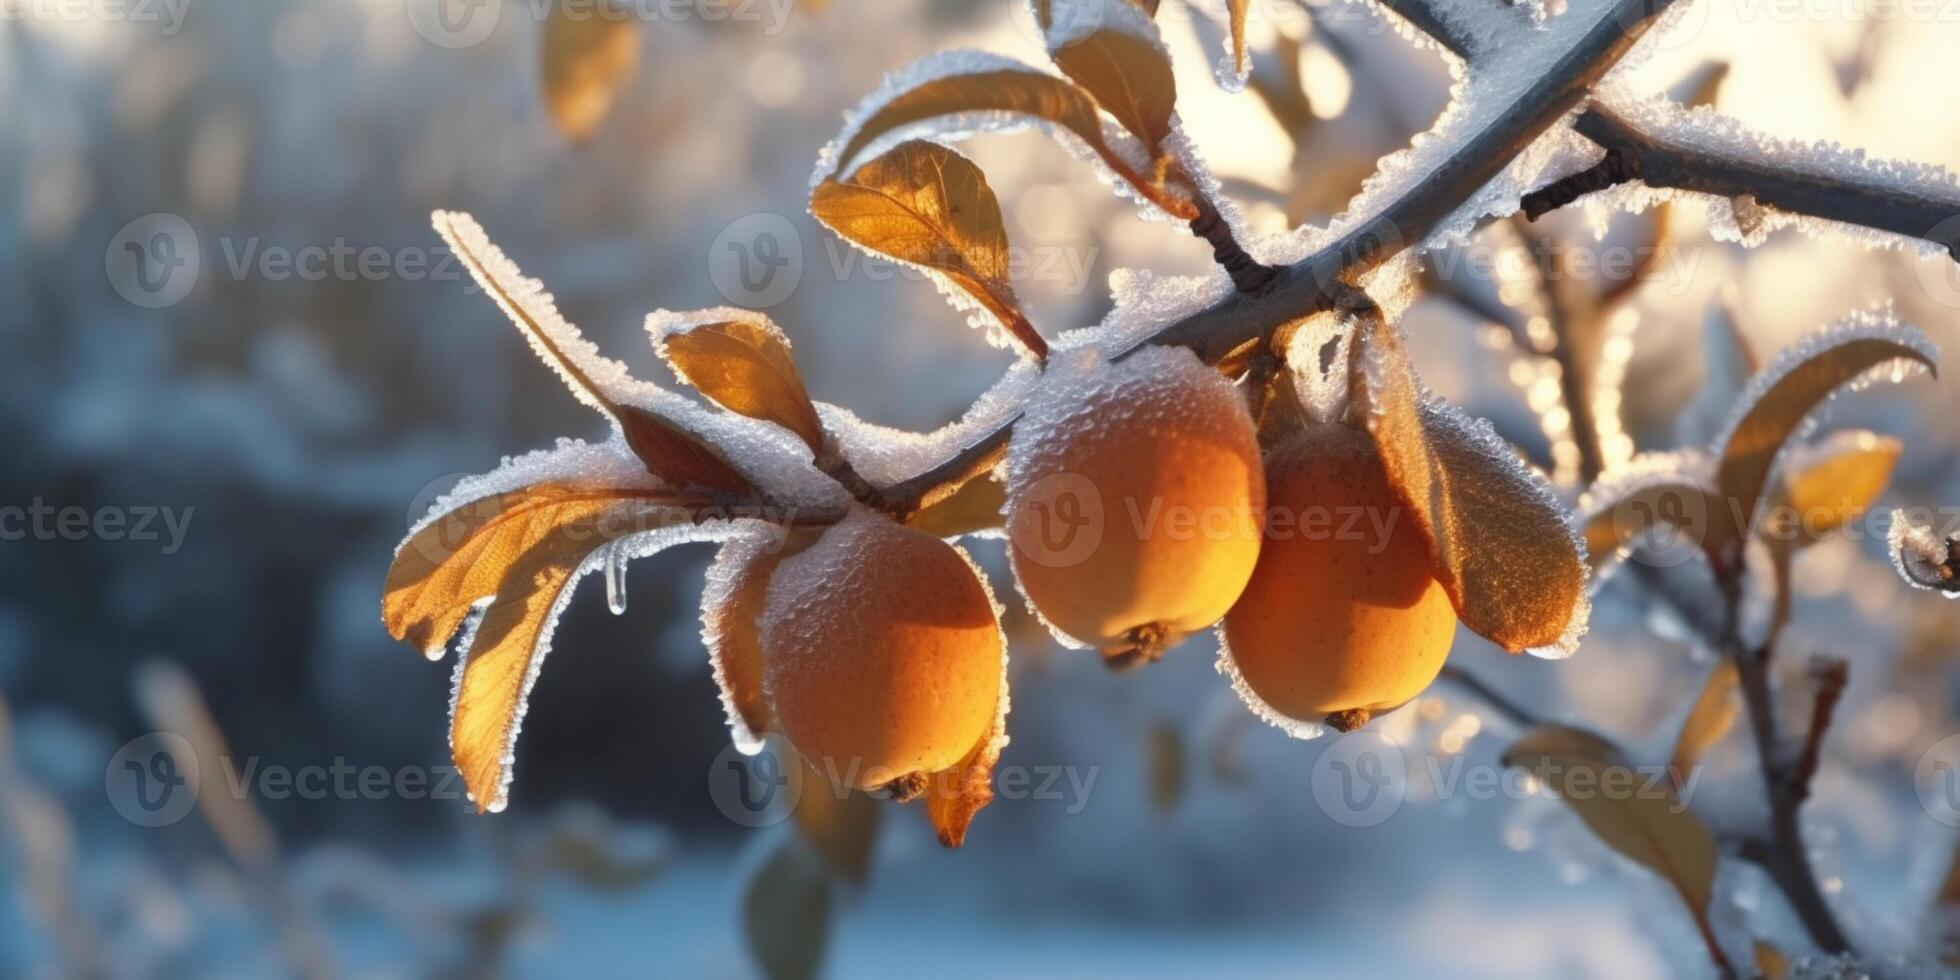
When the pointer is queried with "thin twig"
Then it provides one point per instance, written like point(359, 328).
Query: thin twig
point(1831, 675)
point(1780, 183)
point(1617, 167)
point(1508, 707)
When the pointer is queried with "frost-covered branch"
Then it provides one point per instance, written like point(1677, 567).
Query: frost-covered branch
point(1733, 163)
point(1479, 140)
point(1431, 18)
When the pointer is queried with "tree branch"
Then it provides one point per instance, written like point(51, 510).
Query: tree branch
point(1574, 50)
point(1831, 674)
point(1427, 16)
point(1924, 211)
point(1505, 705)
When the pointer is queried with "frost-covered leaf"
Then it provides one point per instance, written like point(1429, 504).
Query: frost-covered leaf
point(590, 52)
point(1640, 818)
point(1836, 481)
point(957, 795)
point(927, 206)
point(1711, 717)
point(1780, 400)
point(786, 913)
point(1503, 549)
point(991, 85)
point(1922, 557)
point(1122, 63)
point(670, 451)
point(525, 548)
point(731, 614)
point(464, 556)
point(978, 505)
point(1654, 500)
point(745, 365)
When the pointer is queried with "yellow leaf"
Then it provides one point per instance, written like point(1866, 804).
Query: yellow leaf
point(1711, 718)
point(519, 549)
point(1129, 76)
point(926, 205)
point(786, 914)
point(976, 506)
point(1808, 375)
point(1838, 480)
point(1635, 816)
point(746, 367)
point(590, 52)
point(1499, 538)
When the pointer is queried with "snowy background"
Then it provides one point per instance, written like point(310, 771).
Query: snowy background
point(303, 421)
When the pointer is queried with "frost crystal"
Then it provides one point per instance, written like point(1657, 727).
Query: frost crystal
point(1292, 726)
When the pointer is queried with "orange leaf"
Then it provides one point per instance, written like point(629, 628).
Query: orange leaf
point(1711, 717)
point(841, 823)
point(1784, 396)
point(1837, 480)
point(1129, 76)
point(522, 549)
point(1236, 10)
point(590, 53)
point(1499, 537)
point(928, 206)
point(677, 456)
point(746, 367)
point(1645, 822)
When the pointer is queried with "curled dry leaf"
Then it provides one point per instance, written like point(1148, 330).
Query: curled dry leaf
point(746, 367)
point(1782, 398)
point(677, 456)
point(1503, 551)
point(1711, 717)
point(786, 913)
point(522, 550)
point(927, 206)
point(1646, 822)
point(590, 52)
point(956, 795)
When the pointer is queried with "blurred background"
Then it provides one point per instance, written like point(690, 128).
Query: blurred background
point(231, 343)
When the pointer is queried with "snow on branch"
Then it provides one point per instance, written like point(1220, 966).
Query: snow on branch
point(1666, 146)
